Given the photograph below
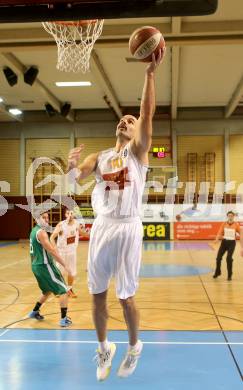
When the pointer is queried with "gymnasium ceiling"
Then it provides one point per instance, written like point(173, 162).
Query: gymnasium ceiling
point(201, 76)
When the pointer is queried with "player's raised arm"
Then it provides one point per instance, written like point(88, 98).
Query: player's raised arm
point(143, 136)
point(86, 167)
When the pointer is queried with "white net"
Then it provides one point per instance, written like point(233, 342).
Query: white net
point(75, 41)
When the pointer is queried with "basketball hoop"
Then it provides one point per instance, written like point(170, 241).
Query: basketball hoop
point(75, 41)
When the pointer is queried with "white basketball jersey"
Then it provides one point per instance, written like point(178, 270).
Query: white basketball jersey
point(120, 180)
point(68, 238)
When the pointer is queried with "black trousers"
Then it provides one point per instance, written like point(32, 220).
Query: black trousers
point(229, 247)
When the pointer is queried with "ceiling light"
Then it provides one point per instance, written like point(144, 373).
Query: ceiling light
point(15, 111)
point(73, 83)
point(30, 75)
point(11, 77)
point(1, 100)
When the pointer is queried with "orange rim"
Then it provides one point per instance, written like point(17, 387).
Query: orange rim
point(75, 23)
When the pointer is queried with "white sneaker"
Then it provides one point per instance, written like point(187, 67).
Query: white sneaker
point(103, 360)
point(130, 361)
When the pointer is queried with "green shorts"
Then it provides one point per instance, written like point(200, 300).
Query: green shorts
point(49, 279)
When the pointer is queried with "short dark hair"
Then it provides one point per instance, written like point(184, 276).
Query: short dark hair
point(230, 212)
point(67, 209)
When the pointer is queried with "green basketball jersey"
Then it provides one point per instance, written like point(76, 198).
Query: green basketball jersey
point(38, 254)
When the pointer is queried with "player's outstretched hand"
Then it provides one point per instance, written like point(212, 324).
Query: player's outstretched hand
point(156, 61)
point(74, 156)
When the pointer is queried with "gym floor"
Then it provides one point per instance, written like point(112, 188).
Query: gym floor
point(191, 324)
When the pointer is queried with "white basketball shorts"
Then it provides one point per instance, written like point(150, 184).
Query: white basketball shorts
point(115, 249)
point(70, 259)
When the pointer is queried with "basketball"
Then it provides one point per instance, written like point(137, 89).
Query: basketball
point(144, 42)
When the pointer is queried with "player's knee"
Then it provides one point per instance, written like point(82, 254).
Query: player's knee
point(127, 303)
point(99, 301)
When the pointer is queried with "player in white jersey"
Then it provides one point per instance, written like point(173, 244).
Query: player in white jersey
point(116, 235)
point(67, 234)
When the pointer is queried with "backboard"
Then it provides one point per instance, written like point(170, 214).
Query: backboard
point(47, 10)
point(161, 176)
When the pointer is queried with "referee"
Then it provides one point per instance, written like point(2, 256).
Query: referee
point(227, 232)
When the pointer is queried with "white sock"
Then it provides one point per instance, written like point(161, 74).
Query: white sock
point(104, 345)
point(132, 347)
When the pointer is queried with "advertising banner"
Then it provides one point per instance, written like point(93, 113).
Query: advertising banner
point(156, 231)
point(152, 231)
point(86, 212)
point(84, 236)
point(196, 230)
point(189, 212)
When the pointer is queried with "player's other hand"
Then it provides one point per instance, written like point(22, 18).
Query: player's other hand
point(156, 61)
point(74, 157)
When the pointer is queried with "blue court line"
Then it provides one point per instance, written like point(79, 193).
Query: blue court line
point(3, 244)
point(171, 270)
point(170, 360)
point(176, 246)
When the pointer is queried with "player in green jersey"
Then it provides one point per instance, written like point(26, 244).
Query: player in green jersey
point(48, 276)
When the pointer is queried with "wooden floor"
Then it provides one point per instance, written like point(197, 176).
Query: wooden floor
point(191, 302)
